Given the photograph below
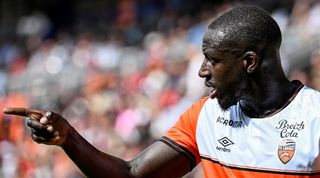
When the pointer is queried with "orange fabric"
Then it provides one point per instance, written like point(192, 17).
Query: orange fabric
point(212, 169)
point(184, 132)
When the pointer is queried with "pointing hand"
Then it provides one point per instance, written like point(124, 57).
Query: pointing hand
point(46, 127)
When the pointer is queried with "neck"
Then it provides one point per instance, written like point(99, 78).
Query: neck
point(268, 98)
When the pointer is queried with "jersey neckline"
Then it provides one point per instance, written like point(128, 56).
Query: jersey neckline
point(295, 93)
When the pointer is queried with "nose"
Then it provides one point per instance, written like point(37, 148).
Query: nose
point(204, 70)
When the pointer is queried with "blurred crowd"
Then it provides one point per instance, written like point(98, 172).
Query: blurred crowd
point(124, 88)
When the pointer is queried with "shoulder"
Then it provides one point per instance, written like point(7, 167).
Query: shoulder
point(202, 101)
point(308, 94)
point(307, 102)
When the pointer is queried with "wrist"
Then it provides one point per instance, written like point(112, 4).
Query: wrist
point(69, 137)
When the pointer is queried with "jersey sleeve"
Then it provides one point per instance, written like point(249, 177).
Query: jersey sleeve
point(182, 136)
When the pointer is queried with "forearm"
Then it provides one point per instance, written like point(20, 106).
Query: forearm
point(157, 161)
point(91, 161)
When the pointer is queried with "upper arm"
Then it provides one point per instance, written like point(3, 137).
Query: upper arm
point(160, 160)
point(176, 154)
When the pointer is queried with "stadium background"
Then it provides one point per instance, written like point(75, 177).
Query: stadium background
point(121, 72)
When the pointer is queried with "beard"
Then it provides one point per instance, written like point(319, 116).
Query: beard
point(226, 102)
point(230, 93)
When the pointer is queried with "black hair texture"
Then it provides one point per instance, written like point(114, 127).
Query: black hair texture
point(250, 25)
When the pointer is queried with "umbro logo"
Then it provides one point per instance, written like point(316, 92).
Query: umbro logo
point(225, 142)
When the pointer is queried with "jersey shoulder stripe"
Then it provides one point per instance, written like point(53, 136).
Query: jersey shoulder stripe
point(181, 150)
point(183, 133)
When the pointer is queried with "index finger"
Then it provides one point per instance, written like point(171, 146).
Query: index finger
point(32, 113)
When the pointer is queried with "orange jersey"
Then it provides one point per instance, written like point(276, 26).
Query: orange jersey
point(229, 144)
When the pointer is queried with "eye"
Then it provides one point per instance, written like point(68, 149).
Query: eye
point(211, 59)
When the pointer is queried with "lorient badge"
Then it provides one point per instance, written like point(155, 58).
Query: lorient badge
point(286, 150)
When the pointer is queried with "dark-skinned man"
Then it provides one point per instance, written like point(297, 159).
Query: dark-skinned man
point(254, 123)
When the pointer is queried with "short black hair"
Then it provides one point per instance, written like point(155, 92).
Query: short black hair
point(249, 24)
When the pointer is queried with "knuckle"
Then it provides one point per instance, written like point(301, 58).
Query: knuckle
point(29, 122)
point(48, 114)
point(35, 138)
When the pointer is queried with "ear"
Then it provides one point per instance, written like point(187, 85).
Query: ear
point(250, 61)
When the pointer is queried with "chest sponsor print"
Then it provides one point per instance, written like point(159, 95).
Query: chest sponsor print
point(229, 122)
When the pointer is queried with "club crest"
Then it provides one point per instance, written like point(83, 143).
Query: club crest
point(286, 150)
